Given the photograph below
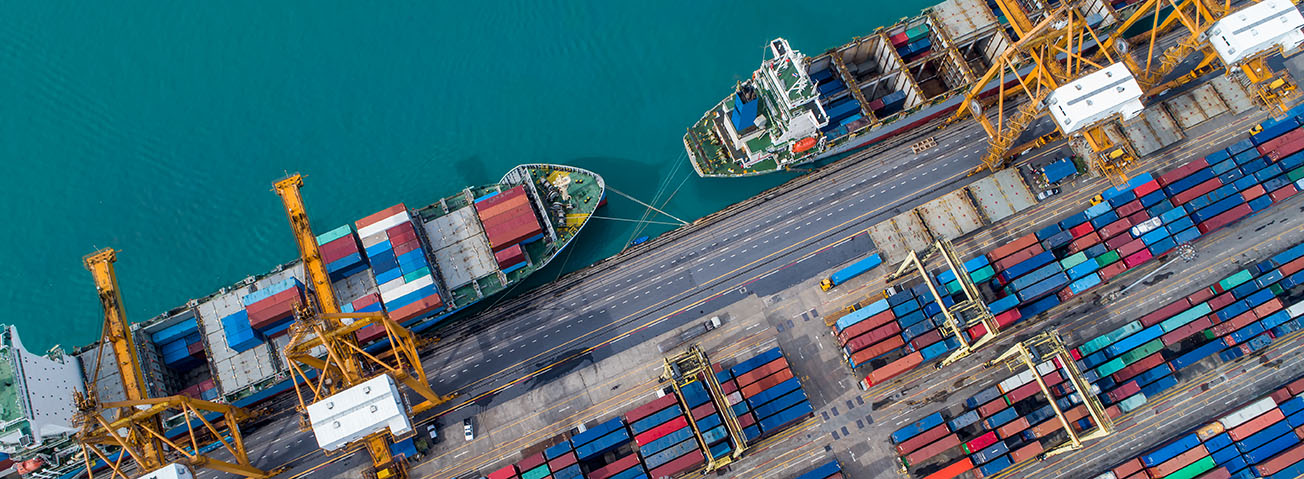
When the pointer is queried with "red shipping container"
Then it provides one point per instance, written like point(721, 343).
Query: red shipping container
point(509, 233)
point(952, 471)
point(891, 370)
point(1129, 208)
point(486, 207)
point(927, 339)
point(1190, 329)
point(1123, 392)
point(1257, 424)
point(1225, 218)
point(1012, 247)
point(1158, 315)
point(408, 247)
point(1114, 229)
point(504, 473)
point(1283, 193)
point(863, 356)
point(1253, 192)
point(1131, 248)
point(1240, 321)
point(1118, 241)
point(764, 370)
point(679, 422)
point(729, 387)
point(1200, 296)
point(1182, 460)
point(1113, 269)
point(1196, 191)
point(1023, 392)
point(1296, 387)
point(1287, 137)
point(1128, 468)
point(1113, 411)
point(364, 301)
point(196, 348)
point(922, 439)
point(1081, 230)
point(1084, 242)
point(937, 447)
point(1138, 258)
point(401, 233)
point(530, 462)
point(878, 334)
point(767, 382)
point(703, 411)
point(899, 39)
point(1182, 171)
point(1146, 188)
point(562, 462)
point(1280, 396)
point(1004, 320)
point(747, 419)
point(510, 257)
point(270, 316)
point(339, 248)
point(1138, 217)
point(976, 332)
point(369, 333)
point(678, 466)
point(1268, 307)
point(1286, 149)
point(981, 442)
point(1279, 462)
point(1140, 366)
point(1027, 452)
point(615, 467)
point(1292, 267)
point(1221, 301)
point(380, 215)
point(1011, 428)
point(865, 326)
point(422, 306)
point(1013, 259)
point(992, 407)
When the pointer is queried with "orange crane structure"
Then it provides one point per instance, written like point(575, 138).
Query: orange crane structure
point(134, 426)
point(348, 378)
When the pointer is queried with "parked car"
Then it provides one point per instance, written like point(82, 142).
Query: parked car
point(433, 430)
point(468, 429)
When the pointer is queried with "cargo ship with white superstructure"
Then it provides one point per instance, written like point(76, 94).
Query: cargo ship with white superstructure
point(797, 109)
point(420, 265)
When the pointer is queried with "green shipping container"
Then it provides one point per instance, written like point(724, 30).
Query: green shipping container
point(1118, 363)
point(1109, 338)
point(1107, 258)
point(1132, 402)
point(1074, 260)
point(1181, 319)
point(536, 473)
point(954, 287)
point(1296, 174)
point(334, 234)
point(1235, 280)
point(1193, 470)
point(983, 274)
point(917, 33)
point(413, 276)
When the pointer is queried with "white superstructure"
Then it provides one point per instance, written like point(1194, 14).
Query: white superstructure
point(357, 412)
point(1255, 29)
point(1098, 96)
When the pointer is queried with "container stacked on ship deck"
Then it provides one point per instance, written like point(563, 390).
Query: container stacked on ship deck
point(270, 310)
point(1238, 315)
point(181, 346)
point(510, 222)
point(1258, 440)
point(407, 289)
point(993, 429)
point(341, 252)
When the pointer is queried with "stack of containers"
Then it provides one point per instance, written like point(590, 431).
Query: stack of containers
point(534, 466)
point(829, 470)
point(894, 334)
point(366, 304)
point(340, 251)
point(627, 467)
point(661, 429)
point(240, 336)
point(1261, 439)
point(775, 402)
point(181, 345)
point(562, 461)
point(402, 271)
point(271, 309)
point(599, 439)
point(1236, 316)
point(507, 472)
point(675, 458)
point(734, 397)
point(508, 218)
point(912, 43)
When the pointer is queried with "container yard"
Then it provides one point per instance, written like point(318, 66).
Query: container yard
point(930, 325)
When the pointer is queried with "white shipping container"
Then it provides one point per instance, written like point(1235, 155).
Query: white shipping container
point(734, 398)
point(399, 292)
point(390, 285)
point(382, 225)
point(1045, 368)
point(374, 239)
point(1296, 310)
point(1243, 415)
point(1106, 475)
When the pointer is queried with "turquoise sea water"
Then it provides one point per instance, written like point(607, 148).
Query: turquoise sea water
point(157, 127)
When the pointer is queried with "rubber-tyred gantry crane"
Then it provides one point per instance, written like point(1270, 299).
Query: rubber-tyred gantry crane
point(134, 425)
point(346, 373)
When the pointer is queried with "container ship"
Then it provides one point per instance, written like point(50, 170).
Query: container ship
point(796, 109)
point(419, 265)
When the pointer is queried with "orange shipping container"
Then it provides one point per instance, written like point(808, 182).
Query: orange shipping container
point(864, 326)
point(1257, 424)
point(937, 447)
point(863, 356)
point(767, 382)
point(954, 470)
point(1129, 468)
point(1182, 460)
point(765, 370)
point(1027, 452)
point(894, 368)
point(921, 440)
point(1013, 427)
point(1012, 247)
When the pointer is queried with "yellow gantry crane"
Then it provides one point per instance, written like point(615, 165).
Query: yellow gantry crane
point(694, 366)
point(134, 426)
point(972, 305)
point(1048, 346)
point(320, 326)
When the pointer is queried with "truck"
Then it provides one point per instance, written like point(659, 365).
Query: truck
point(855, 269)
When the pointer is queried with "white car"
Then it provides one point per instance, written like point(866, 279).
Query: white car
point(1146, 227)
point(432, 431)
point(468, 429)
